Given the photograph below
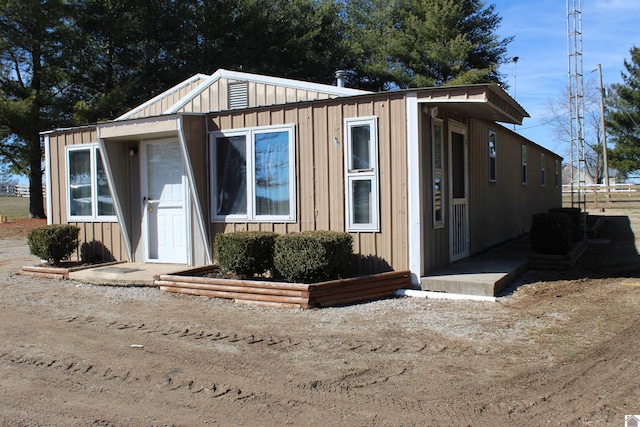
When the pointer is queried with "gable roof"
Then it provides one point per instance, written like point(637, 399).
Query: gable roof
point(178, 97)
point(188, 84)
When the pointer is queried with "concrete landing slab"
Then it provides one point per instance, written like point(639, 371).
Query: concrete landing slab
point(486, 274)
point(125, 274)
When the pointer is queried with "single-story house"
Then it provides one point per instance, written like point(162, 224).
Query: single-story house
point(420, 177)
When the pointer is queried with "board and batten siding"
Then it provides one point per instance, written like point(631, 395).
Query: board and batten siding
point(435, 239)
point(216, 96)
point(194, 131)
point(502, 210)
point(165, 102)
point(104, 238)
point(320, 186)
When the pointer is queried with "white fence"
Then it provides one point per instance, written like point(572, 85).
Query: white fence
point(601, 188)
point(19, 190)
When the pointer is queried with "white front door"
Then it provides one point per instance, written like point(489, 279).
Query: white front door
point(458, 193)
point(164, 191)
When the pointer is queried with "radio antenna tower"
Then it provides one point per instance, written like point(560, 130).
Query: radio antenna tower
point(576, 105)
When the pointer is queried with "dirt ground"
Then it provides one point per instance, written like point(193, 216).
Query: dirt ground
point(560, 349)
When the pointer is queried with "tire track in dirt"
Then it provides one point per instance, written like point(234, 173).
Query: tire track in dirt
point(383, 346)
point(364, 381)
point(74, 367)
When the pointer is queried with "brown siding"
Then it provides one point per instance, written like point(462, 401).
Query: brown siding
point(194, 130)
point(436, 240)
point(498, 211)
point(163, 104)
point(215, 97)
point(102, 240)
point(502, 210)
point(320, 170)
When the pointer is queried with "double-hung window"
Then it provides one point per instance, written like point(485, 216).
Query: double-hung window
point(88, 194)
point(254, 174)
point(361, 174)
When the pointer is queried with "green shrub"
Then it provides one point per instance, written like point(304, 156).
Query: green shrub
point(53, 243)
point(575, 214)
point(245, 253)
point(312, 256)
point(550, 233)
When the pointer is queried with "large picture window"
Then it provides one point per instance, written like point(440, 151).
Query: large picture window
point(89, 195)
point(361, 174)
point(254, 177)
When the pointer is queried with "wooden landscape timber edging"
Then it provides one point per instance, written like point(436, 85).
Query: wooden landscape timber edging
point(60, 273)
point(284, 294)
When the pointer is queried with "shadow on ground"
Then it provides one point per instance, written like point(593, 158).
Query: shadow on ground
point(613, 254)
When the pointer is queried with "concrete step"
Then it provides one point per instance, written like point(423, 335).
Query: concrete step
point(486, 274)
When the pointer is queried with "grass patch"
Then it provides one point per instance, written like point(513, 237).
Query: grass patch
point(14, 207)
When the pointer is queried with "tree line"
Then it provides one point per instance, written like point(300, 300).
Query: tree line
point(73, 62)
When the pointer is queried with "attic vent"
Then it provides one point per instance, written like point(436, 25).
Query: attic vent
point(238, 95)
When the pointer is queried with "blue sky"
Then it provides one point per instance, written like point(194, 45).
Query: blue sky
point(609, 31)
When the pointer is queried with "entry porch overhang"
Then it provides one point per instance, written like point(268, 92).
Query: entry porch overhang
point(138, 129)
point(122, 143)
point(483, 101)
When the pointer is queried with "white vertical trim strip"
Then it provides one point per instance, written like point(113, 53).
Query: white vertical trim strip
point(47, 175)
point(414, 190)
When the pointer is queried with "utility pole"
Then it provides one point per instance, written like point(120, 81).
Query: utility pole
point(605, 154)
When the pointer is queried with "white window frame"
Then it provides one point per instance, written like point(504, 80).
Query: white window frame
point(437, 172)
point(493, 156)
point(249, 134)
point(370, 174)
point(93, 149)
point(523, 162)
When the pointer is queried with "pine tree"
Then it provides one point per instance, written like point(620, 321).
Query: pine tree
point(32, 35)
point(623, 118)
point(419, 43)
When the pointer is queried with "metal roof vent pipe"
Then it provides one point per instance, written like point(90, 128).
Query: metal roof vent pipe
point(341, 78)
